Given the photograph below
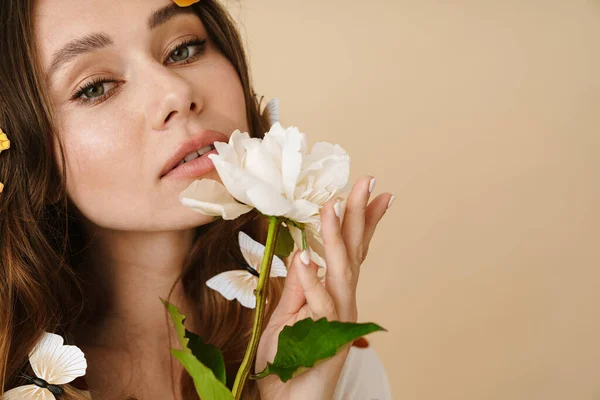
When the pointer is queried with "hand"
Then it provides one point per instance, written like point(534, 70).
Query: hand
point(304, 295)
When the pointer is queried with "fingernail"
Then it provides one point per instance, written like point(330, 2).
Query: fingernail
point(391, 201)
point(304, 257)
point(371, 185)
point(336, 208)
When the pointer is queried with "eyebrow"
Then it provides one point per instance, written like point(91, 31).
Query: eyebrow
point(97, 41)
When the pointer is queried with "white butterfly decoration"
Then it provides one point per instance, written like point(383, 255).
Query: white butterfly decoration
point(240, 284)
point(52, 362)
point(271, 111)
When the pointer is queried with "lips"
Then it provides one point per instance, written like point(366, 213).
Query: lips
point(205, 138)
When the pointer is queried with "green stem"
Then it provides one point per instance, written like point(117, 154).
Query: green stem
point(304, 245)
point(261, 288)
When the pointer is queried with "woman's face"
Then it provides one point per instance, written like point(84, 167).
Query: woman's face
point(134, 92)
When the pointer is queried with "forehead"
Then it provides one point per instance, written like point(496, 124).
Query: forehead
point(59, 21)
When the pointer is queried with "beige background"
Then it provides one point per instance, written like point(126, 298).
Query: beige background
point(483, 117)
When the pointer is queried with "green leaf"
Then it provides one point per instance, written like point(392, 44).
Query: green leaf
point(208, 366)
point(207, 386)
point(300, 346)
point(207, 354)
point(284, 244)
point(178, 319)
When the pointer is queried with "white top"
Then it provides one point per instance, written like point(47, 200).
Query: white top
point(363, 377)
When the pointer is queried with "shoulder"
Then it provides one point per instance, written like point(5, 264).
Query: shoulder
point(363, 377)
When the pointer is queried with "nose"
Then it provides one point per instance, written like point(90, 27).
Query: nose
point(170, 97)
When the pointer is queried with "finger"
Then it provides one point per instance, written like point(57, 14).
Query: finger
point(319, 301)
point(340, 277)
point(354, 218)
point(375, 211)
point(292, 297)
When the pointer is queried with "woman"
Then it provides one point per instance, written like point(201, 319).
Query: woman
point(96, 96)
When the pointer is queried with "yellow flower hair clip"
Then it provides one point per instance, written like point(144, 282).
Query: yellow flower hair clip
point(4, 142)
point(185, 3)
point(4, 145)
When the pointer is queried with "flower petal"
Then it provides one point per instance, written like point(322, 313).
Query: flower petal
point(234, 151)
point(210, 197)
point(237, 141)
point(251, 190)
point(226, 153)
point(236, 180)
point(313, 255)
point(267, 201)
point(303, 211)
point(317, 251)
point(291, 160)
point(271, 144)
point(185, 3)
point(4, 141)
point(317, 259)
point(288, 137)
point(261, 163)
point(291, 165)
point(330, 164)
point(322, 151)
point(286, 148)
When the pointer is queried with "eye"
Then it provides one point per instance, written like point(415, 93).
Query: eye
point(95, 90)
point(188, 51)
point(180, 54)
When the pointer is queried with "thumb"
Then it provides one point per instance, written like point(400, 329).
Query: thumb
point(293, 298)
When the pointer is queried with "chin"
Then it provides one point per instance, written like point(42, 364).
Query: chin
point(198, 220)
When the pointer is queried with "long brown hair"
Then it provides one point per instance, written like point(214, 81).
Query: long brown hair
point(41, 237)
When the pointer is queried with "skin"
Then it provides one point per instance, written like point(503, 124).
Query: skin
point(115, 150)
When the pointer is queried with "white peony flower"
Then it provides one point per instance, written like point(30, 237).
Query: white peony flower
point(53, 364)
point(279, 177)
point(240, 284)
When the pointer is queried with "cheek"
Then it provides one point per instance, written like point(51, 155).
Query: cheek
point(228, 98)
point(98, 149)
point(101, 163)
